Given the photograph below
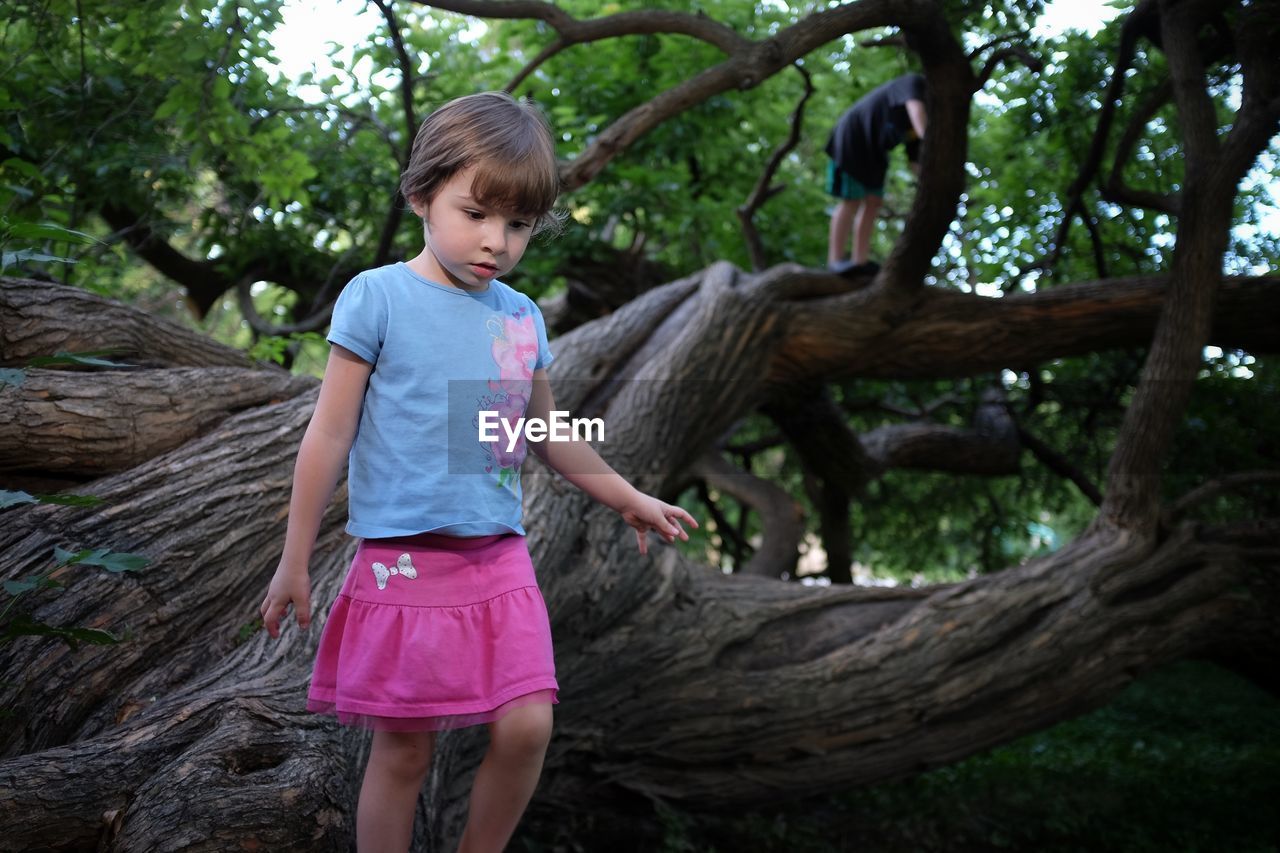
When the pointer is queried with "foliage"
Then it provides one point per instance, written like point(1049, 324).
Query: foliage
point(22, 623)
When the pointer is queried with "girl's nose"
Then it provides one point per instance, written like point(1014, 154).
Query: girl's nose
point(495, 239)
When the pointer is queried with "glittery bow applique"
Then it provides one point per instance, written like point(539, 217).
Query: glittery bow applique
point(403, 566)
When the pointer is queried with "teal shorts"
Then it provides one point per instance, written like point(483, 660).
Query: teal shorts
point(843, 185)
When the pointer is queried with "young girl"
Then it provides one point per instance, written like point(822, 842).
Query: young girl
point(440, 623)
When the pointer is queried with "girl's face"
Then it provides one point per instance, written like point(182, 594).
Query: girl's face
point(469, 244)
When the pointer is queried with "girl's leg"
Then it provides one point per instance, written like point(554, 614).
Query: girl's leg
point(506, 778)
point(398, 765)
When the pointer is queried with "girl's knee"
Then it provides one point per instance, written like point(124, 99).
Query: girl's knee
point(523, 731)
point(406, 754)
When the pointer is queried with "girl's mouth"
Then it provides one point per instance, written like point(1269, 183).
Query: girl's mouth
point(484, 269)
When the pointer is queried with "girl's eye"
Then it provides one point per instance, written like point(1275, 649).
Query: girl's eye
point(475, 214)
point(519, 225)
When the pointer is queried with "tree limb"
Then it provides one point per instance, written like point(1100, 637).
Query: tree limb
point(396, 212)
point(780, 515)
point(38, 318)
point(1059, 464)
point(762, 192)
point(1217, 486)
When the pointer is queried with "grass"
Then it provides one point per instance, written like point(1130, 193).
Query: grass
point(1185, 759)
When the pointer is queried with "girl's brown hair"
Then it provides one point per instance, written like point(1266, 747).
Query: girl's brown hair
point(508, 141)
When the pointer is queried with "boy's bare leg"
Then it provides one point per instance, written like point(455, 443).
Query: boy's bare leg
point(398, 765)
point(505, 781)
point(841, 225)
point(863, 226)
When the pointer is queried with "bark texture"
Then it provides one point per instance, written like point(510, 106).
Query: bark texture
point(91, 424)
point(677, 682)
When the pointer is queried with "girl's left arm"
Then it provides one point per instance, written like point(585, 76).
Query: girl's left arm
point(578, 462)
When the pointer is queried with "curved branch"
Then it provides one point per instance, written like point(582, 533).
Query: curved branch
point(1115, 189)
point(762, 192)
point(574, 31)
point(1060, 465)
point(1215, 487)
point(1028, 58)
point(780, 515)
point(532, 65)
point(1142, 21)
point(244, 298)
point(396, 211)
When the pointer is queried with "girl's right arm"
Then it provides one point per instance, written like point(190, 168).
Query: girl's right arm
point(321, 457)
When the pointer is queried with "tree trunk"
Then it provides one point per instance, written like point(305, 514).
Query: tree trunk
point(198, 725)
point(677, 682)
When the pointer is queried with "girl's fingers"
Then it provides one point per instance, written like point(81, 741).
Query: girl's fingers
point(644, 546)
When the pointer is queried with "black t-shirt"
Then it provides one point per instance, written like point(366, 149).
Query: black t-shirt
point(862, 137)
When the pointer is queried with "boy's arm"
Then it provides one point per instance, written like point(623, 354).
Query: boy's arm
point(323, 453)
point(578, 462)
point(915, 112)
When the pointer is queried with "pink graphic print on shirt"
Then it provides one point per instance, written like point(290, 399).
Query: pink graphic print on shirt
point(515, 352)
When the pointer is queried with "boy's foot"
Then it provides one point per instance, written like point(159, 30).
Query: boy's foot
point(849, 269)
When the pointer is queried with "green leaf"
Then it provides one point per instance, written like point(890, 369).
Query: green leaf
point(23, 167)
point(112, 561)
point(48, 231)
point(14, 376)
point(24, 625)
point(69, 500)
point(33, 582)
point(8, 498)
point(11, 258)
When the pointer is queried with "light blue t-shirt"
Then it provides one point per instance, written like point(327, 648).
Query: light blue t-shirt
point(440, 356)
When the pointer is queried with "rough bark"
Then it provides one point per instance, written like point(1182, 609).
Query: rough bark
point(91, 424)
point(38, 318)
point(677, 682)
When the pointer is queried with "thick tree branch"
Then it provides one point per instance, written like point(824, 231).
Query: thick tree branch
point(959, 334)
point(203, 280)
point(90, 424)
point(1208, 196)
point(38, 318)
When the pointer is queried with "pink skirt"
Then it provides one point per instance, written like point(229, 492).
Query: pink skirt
point(434, 632)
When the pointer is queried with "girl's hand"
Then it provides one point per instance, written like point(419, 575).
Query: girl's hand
point(647, 513)
point(289, 586)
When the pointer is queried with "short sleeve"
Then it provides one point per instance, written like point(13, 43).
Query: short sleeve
point(915, 87)
point(545, 356)
point(360, 319)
